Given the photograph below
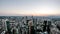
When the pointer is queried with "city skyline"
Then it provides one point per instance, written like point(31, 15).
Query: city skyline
point(29, 7)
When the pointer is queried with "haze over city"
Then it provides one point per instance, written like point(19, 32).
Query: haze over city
point(29, 7)
point(29, 16)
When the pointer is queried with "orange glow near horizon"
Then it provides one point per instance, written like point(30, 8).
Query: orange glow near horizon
point(39, 15)
point(35, 14)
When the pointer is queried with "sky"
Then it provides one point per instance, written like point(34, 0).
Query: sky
point(29, 7)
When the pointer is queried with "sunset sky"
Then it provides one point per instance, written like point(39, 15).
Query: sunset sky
point(29, 7)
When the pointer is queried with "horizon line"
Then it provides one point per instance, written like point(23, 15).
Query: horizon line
point(30, 15)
